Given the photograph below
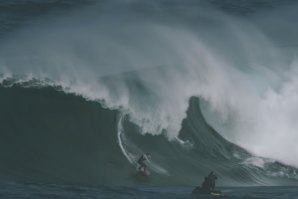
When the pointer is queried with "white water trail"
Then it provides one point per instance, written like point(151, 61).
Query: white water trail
point(132, 152)
point(129, 157)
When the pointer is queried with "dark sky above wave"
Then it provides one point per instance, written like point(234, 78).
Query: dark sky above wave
point(14, 13)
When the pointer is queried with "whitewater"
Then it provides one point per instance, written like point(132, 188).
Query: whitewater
point(88, 86)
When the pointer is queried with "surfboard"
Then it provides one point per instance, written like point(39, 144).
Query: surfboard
point(142, 172)
point(141, 177)
point(145, 173)
point(216, 193)
point(197, 193)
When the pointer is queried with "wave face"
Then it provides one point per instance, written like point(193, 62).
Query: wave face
point(50, 136)
point(88, 86)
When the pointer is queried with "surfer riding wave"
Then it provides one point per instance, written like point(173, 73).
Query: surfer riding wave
point(142, 167)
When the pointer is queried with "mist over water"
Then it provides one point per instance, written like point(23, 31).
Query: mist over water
point(149, 58)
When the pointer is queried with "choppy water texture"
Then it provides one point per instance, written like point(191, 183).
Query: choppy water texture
point(37, 191)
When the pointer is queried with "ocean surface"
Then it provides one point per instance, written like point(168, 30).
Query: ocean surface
point(37, 191)
point(87, 87)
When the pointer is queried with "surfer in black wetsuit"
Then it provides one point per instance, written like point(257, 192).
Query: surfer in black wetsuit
point(212, 177)
point(209, 183)
point(141, 160)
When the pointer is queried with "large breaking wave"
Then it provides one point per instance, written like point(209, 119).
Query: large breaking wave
point(84, 93)
point(51, 136)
